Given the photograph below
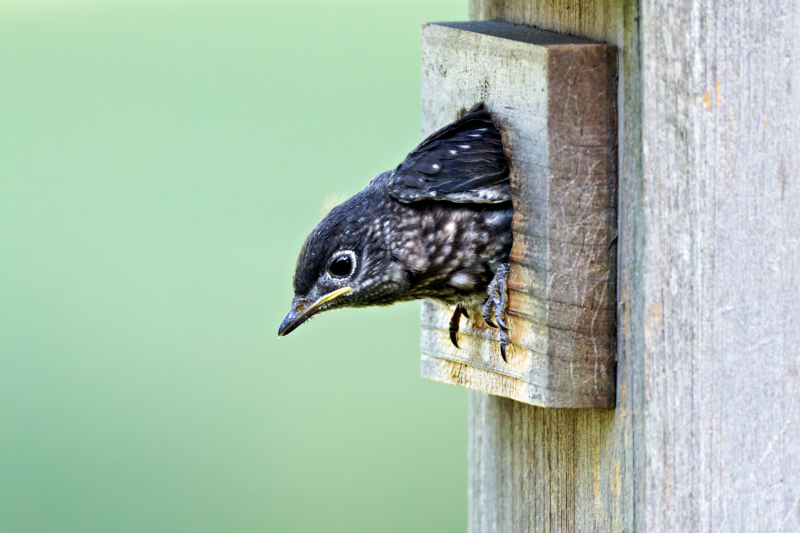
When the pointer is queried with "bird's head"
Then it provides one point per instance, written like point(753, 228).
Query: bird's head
point(345, 262)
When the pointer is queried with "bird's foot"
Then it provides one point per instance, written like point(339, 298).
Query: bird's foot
point(455, 321)
point(495, 305)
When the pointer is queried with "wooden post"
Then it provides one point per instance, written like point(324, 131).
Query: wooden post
point(706, 431)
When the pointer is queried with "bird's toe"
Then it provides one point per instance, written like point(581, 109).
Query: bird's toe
point(494, 310)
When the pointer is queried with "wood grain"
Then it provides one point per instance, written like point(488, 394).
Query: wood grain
point(721, 265)
point(537, 469)
point(554, 98)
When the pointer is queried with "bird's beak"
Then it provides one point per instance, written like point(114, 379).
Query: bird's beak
point(301, 311)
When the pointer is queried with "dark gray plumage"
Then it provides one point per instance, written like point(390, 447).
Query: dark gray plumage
point(436, 227)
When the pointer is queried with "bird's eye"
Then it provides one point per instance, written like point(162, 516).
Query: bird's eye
point(342, 266)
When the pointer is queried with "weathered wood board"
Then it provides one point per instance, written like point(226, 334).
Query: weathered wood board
point(554, 98)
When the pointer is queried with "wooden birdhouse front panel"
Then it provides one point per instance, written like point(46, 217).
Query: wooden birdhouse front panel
point(554, 100)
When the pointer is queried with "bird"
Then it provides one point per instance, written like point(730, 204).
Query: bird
point(437, 227)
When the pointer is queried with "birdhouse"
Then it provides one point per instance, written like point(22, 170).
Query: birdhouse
point(554, 99)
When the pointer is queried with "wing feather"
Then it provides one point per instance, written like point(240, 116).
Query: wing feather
point(463, 162)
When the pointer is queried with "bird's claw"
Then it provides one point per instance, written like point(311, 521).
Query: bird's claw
point(504, 338)
point(453, 339)
point(495, 306)
point(501, 324)
point(455, 324)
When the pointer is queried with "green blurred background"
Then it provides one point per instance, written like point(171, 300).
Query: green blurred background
point(160, 164)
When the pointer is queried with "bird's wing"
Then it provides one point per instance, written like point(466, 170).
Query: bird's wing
point(462, 162)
